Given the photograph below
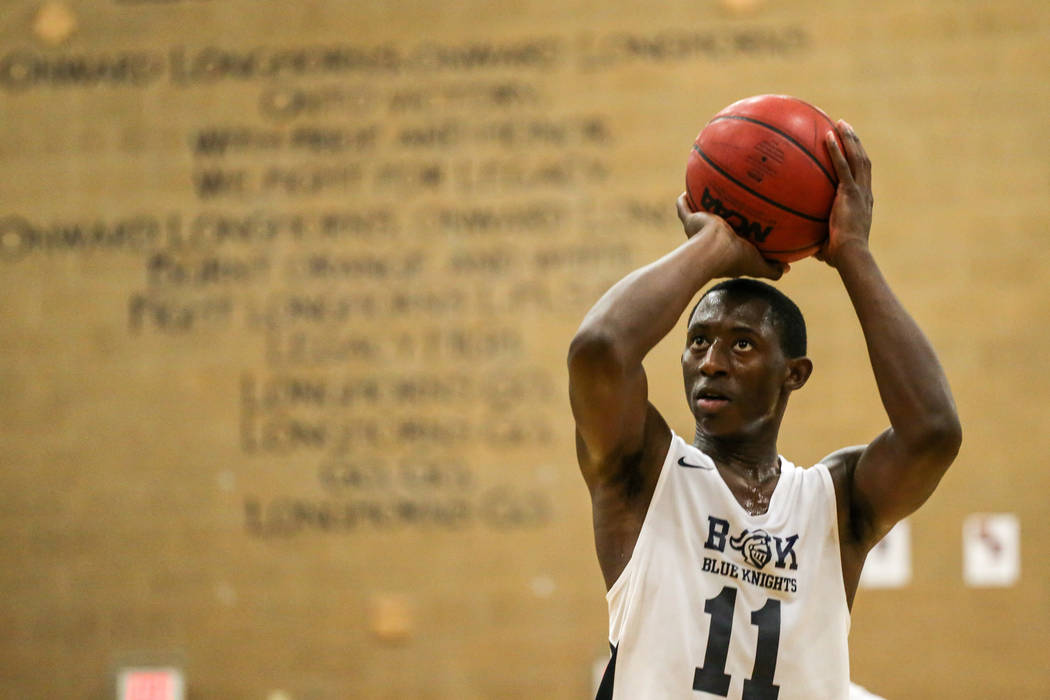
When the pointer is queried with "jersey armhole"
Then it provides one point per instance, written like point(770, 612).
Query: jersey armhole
point(621, 580)
point(832, 510)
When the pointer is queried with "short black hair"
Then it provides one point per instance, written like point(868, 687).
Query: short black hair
point(787, 318)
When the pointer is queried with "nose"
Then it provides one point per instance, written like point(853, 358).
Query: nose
point(713, 362)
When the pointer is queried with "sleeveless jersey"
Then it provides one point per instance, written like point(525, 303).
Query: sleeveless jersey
point(718, 603)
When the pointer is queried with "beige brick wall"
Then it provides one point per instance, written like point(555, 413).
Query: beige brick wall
point(287, 291)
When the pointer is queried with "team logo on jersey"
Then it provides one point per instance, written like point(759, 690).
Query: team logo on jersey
point(754, 546)
point(758, 547)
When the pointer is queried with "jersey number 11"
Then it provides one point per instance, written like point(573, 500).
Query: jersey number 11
point(712, 677)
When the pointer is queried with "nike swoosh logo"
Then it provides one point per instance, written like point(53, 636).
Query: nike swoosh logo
point(683, 463)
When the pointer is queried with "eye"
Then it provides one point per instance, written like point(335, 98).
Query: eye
point(699, 341)
point(743, 344)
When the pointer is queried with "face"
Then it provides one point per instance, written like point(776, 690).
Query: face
point(737, 377)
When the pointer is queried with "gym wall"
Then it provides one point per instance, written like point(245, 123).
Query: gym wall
point(287, 290)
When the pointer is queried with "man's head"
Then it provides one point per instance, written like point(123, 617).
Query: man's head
point(786, 317)
point(745, 353)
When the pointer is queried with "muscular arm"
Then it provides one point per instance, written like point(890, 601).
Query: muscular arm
point(620, 438)
point(899, 469)
point(607, 385)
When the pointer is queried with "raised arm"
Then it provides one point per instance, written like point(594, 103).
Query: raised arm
point(895, 474)
point(607, 385)
point(620, 438)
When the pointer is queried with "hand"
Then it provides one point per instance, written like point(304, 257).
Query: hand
point(850, 220)
point(736, 256)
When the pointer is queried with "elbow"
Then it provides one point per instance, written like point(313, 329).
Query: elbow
point(588, 345)
point(592, 348)
point(949, 435)
point(941, 439)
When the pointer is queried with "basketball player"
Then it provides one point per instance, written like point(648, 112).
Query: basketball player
point(730, 571)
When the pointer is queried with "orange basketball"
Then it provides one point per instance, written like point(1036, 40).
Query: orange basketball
point(761, 164)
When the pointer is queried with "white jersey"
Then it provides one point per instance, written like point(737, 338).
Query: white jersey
point(718, 603)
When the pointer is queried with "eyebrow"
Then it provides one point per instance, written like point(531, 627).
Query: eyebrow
point(735, 329)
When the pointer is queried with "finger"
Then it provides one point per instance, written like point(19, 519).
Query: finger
point(837, 158)
point(774, 269)
point(697, 219)
point(683, 207)
point(856, 156)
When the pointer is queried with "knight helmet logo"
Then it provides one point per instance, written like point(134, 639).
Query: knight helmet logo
point(754, 545)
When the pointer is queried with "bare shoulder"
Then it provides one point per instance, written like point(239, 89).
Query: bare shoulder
point(842, 464)
point(853, 545)
point(620, 468)
point(621, 492)
point(845, 458)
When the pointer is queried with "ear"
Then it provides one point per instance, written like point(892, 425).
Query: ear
point(799, 370)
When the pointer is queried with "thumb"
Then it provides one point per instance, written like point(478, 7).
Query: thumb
point(774, 269)
point(684, 211)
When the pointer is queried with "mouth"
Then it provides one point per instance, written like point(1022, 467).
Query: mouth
point(711, 399)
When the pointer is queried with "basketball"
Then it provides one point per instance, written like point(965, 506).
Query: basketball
point(761, 164)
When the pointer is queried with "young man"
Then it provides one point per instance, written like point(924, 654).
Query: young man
point(730, 572)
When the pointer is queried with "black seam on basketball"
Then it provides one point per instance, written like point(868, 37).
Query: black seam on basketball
point(832, 180)
point(757, 194)
point(816, 110)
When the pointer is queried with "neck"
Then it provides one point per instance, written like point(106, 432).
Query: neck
point(751, 453)
point(756, 460)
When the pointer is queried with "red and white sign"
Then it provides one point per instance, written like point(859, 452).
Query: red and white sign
point(991, 549)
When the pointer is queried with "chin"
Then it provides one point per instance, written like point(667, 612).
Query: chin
point(725, 426)
point(715, 425)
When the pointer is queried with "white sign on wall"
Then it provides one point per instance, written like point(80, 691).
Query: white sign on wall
point(889, 562)
point(991, 549)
